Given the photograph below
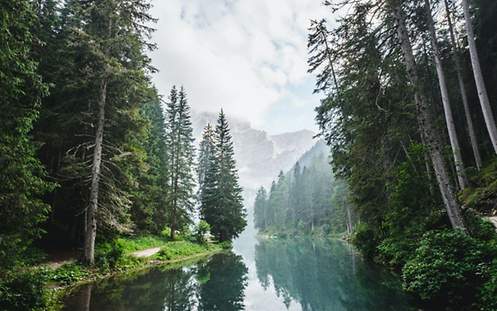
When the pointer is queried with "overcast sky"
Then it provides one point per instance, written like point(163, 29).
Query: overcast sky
point(247, 56)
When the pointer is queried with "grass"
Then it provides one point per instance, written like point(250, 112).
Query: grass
point(181, 249)
point(141, 242)
point(63, 279)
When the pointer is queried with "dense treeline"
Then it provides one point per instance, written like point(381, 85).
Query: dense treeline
point(87, 150)
point(307, 199)
point(409, 114)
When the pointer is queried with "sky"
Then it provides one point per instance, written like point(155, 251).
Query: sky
point(246, 56)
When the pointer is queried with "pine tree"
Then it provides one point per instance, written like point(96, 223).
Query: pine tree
point(179, 137)
point(222, 203)
point(205, 158)
point(260, 209)
point(22, 182)
point(106, 85)
point(150, 204)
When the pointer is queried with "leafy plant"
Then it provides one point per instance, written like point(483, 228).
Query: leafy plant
point(68, 274)
point(201, 231)
point(23, 291)
point(448, 266)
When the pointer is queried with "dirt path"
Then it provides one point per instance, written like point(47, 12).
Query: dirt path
point(146, 252)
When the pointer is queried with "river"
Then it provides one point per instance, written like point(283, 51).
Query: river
point(293, 274)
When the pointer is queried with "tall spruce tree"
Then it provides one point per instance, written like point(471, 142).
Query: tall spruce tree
point(179, 137)
point(205, 157)
point(222, 203)
point(22, 183)
point(106, 40)
point(150, 204)
point(260, 209)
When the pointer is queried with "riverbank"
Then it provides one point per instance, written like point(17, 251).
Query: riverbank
point(51, 281)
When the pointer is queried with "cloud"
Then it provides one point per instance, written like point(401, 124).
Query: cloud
point(246, 56)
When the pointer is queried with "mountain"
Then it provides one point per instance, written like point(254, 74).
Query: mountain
point(259, 156)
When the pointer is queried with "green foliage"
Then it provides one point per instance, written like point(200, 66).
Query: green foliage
point(180, 249)
point(166, 232)
point(179, 139)
point(108, 254)
point(488, 291)
point(448, 266)
point(482, 195)
point(221, 202)
point(364, 238)
point(23, 291)
point(201, 231)
point(305, 200)
point(67, 274)
point(22, 177)
point(141, 242)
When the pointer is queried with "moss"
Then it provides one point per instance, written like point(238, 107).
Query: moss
point(482, 195)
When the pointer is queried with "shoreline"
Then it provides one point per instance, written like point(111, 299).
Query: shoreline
point(57, 292)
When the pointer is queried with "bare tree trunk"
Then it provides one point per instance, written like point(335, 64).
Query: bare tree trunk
point(462, 89)
point(480, 83)
point(349, 219)
point(449, 119)
point(91, 221)
point(426, 122)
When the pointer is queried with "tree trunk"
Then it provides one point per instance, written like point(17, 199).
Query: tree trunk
point(91, 221)
point(349, 219)
point(480, 83)
point(426, 122)
point(462, 90)
point(449, 119)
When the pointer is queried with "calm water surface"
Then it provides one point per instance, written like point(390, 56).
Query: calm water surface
point(258, 275)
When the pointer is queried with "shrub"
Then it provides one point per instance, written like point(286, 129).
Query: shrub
point(202, 229)
point(186, 234)
point(448, 266)
point(23, 291)
point(488, 291)
point(67, 274)
point(364, 239)
point(166, 232)
point(108, 254)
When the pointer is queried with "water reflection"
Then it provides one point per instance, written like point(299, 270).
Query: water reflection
point(298, 274)
point(225, 281)
point(325, 275)
point(217, 284)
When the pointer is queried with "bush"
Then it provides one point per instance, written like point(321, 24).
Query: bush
point(185, 234)
point(448, 266)
point(108, 254)
point(166, 232)
point(23, 291)
point(364, 239)
point(67, 274)
point(488, 292)
point(202, 229)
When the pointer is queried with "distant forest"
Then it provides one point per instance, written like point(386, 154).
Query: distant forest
point(306, 199)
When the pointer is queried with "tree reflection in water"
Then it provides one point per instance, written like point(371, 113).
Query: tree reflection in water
point(325, 275)
point(217, 284)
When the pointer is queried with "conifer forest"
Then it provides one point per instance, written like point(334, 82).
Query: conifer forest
point(299, 155)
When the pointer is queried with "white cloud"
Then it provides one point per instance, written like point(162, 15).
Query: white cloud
point(243, 55)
